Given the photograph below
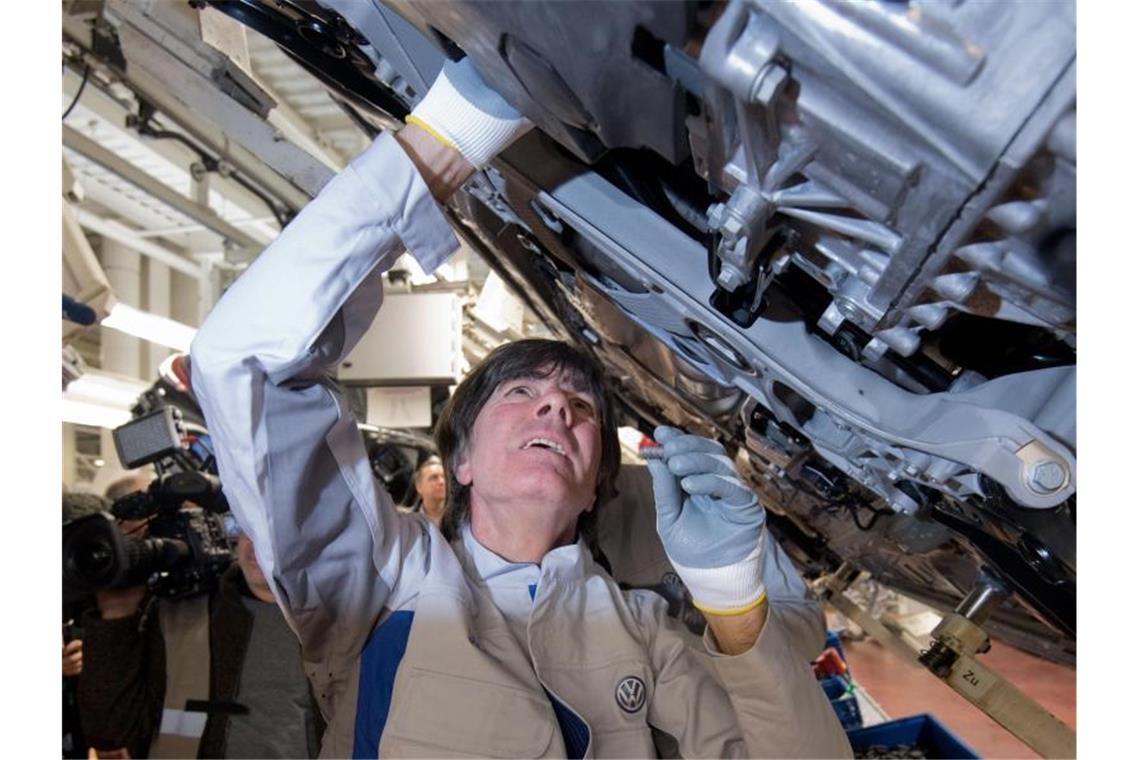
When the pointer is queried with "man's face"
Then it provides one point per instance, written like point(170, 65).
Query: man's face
point(431, 483)
point(533, 455)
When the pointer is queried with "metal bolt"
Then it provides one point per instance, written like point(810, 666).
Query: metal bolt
point(730, 277)
point(716, 215)
point(768, 83)
point(731, 227)
point(1047, 476)
point(846, 308)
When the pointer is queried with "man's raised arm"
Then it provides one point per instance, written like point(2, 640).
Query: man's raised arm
point(291, 459)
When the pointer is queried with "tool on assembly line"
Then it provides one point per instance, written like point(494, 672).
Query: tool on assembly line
point(951, 658)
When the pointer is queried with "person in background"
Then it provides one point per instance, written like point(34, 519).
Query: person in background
point(431, 489)
point(75, 506)
point(135, 481)
point(208, 676)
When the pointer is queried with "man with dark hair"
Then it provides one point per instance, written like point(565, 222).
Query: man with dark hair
point(535, 360)
point(430, 484)
point(499, 636)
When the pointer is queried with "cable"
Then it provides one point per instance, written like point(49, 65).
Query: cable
point(143, 123)
point(82, 84)
point(853, 507)
point(855, 518)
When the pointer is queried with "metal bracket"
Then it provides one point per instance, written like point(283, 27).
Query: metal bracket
point(741, 224)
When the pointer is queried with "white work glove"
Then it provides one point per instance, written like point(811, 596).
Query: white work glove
point(710, 522)
point(467, 115)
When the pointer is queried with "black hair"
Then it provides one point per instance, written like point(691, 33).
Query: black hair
point(530, 358)
point(428, 460)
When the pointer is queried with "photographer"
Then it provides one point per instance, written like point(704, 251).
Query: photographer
point(75, 506)
point(215, 675)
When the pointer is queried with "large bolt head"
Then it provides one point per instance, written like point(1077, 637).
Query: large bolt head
point(847, 308)
point(730, 277)
point(1047, 476)
point(716, 215)
point(731, 227)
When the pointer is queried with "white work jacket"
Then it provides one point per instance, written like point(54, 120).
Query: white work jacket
point(407, 651)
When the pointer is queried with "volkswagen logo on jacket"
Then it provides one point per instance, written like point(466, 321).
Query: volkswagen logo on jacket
point(630, 694)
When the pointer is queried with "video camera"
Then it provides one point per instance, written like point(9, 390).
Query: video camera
point(186, 549)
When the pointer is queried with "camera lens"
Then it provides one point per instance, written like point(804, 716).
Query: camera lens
point(94, 557)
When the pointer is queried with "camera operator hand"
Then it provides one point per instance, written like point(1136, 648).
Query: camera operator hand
point(72, 657)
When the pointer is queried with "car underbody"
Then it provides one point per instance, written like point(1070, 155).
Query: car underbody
point(838, 237)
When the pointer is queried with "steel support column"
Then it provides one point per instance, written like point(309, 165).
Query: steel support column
point(157, 302)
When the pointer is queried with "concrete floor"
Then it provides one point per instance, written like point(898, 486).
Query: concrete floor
point(903, 689)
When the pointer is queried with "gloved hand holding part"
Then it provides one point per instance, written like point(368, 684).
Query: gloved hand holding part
point(710, 522)
point(465, 114)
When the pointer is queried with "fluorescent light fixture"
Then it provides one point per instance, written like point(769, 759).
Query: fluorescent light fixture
point(118, 391)
point(101, 399)
point(156, 329)
point(94, 415)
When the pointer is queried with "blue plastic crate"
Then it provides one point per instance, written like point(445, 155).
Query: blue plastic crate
point(835, 687)
point(848, 712)
point(924, 731)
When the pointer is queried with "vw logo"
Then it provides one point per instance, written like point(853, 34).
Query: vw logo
point(630, 694)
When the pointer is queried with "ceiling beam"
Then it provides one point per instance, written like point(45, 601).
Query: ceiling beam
point(204, 215)
point(294, 182)
point(109, 228)
point(111, 114)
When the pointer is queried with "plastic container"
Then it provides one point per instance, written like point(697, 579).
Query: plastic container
point(835, 687)
point(924, 731)
point(848, 712)
point(833, 640)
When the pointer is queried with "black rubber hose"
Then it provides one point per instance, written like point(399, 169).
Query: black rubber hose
point(79, 93)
